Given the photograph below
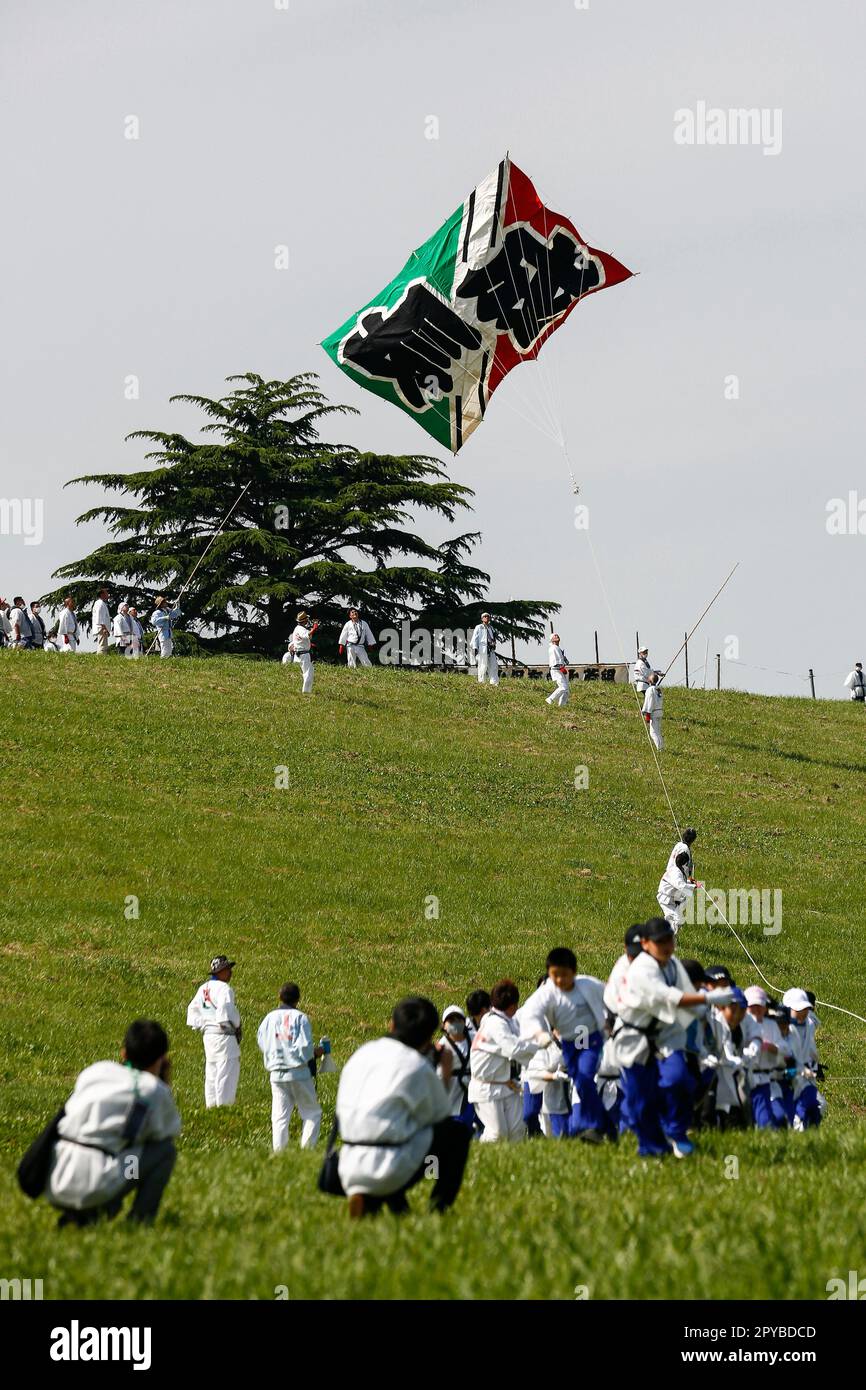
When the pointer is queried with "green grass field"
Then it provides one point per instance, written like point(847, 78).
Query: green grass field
point(156, 780)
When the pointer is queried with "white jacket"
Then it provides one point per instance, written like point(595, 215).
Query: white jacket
point(759, 1062)
point(483, 639)
point(96, 1114)
point(615, 987)
point(388, 1099)
point(355, 634)
point(100, 616)
point(121, 629)
point(549, 1007)
point(555, 1095)
point(649, 1002)
point(67, 626)
point(213, 1008)
point(641, 672)
point(495, 1046)
point(556, 657)
point(652, 700)
point(286, 1040)
point(856, 683)
point(674, 888)
point(300, 640)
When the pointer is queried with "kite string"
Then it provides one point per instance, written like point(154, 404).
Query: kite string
point(195, 568)
point(822, 1003)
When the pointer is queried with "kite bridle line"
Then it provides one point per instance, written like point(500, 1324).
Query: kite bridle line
point(195, 568)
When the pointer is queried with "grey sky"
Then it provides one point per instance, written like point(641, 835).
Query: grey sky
point(307, 127)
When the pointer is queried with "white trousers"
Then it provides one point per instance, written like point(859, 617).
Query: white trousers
point(356, 655)
point(674, 914)
point(655, 731)
point(488, 666)
point(68, 647)
point(502, 1119)
point(222, 1067)
point(559, 694)
point(166, 645)
point(305, 661)
point(285, 1095)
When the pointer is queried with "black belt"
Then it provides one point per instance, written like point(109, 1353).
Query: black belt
point(83, 1144)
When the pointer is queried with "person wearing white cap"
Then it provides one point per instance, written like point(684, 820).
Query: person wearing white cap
point(135, 633)
point(213, 1012)
point(652, 709)
point(455, 1045)
point(856, 682)
point(286, 1040)
point(807, 1098)
point(763, 1052)
point(300, 650)
point(100, 622)
point(483, 644)
point(356, 637)
point(497, 1049)
point(121, 628)
point(675, 890)
point(558, 663)
point(164, 618)
point(641, 671)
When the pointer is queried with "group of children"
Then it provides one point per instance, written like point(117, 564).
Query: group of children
point(661, 1049)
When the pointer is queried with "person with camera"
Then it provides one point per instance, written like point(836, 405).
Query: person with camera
point(117, 1134)
point(394, 1119)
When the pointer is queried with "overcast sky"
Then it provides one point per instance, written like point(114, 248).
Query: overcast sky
point(307, 126)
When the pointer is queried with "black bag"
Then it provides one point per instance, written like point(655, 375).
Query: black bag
point(35, 1166)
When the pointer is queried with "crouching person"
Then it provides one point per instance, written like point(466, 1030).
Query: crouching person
point(117, 1134)
point(394, 1121)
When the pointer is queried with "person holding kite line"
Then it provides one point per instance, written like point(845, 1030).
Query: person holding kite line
point(164, 618)
point(641, 671)
point(675, 890)
point(652, 709)
point(558, 662)
point(483, 644)
point(356, 637)
point(300, 650)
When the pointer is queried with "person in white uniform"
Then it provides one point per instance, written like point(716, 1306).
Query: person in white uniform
point(163, 619)
point(213, 1012)
point(100, 622)
point(641, 671)
point(393, 1117)
point(683, 846)
point(483, 645)
point(286, 1040)
point(675, 890)
point(136, 633)
point(652, 709)
point(300, 652)
point(67, 627)
point(497, 1053)
point(855, 682)
point(356, 637)
point(121, 628)
point(456, 1043)
point(116, 1134)
point(558, 663)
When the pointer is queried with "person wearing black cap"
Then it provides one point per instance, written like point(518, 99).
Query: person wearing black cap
point(659, 1002)
point(213, 1012)
point(684, 846)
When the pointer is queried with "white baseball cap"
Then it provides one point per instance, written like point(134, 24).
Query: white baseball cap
point(796, 999)
point(452, 1009)
point(756, 995)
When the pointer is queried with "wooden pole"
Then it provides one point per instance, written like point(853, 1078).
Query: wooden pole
point(596, 648)
point(636, 643)
point(812, 682)
point(718, 670)
point(686, 646)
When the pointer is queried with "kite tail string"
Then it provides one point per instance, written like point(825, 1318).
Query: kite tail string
point(197, 564)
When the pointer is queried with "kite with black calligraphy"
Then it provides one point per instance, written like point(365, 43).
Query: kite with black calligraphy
point(481, 296)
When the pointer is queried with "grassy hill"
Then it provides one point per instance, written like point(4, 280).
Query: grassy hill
point(155, 781)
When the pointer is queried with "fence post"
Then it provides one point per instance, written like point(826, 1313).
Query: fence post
point(812, 682)
point(718, 670)
point(596, 647)
point(686, 646)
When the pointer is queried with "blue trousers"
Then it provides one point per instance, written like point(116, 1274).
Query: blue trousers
point(767, 1113)
point(640, 1087)
point(467, 1113)
point(676, 1090)
point(531, 1110)
point(581, 1063)
point(559, 1126)
point(807, 1107)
